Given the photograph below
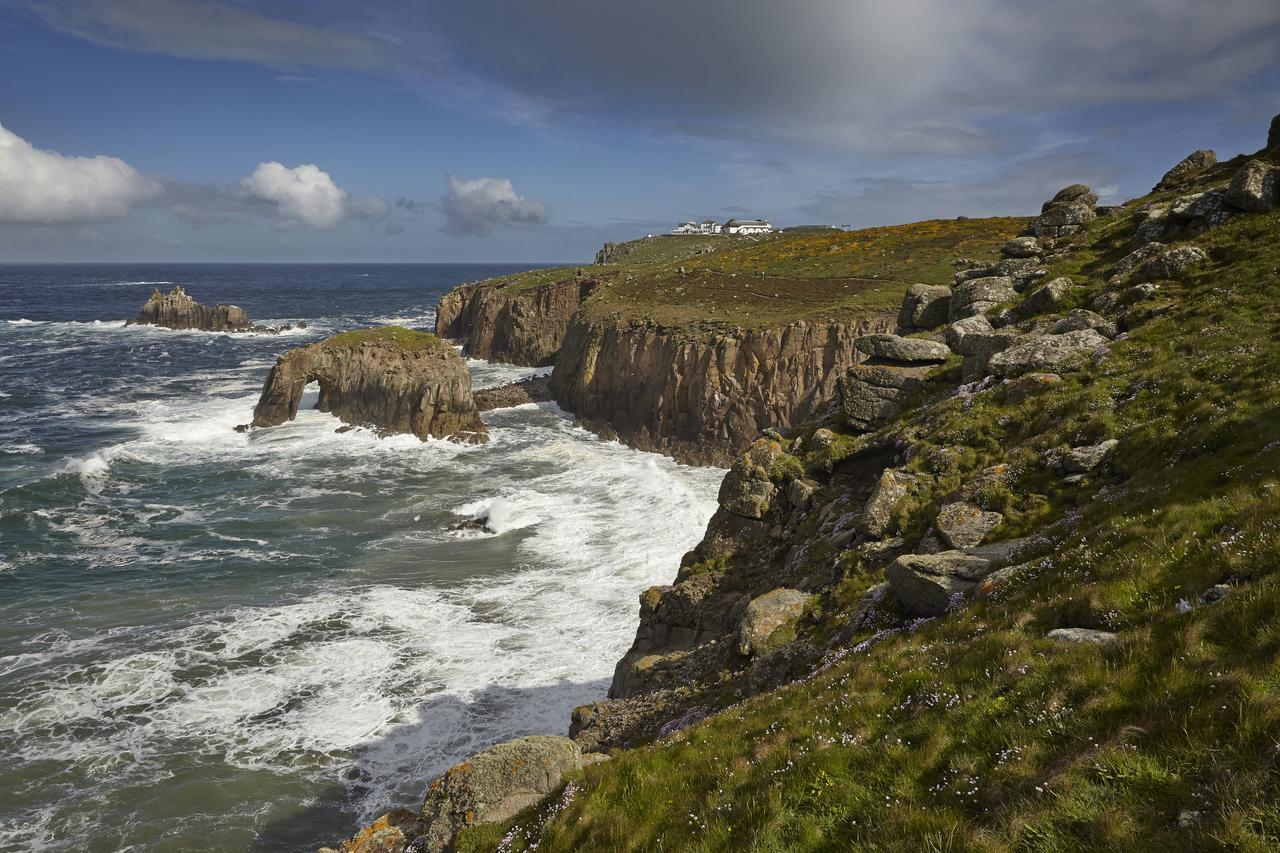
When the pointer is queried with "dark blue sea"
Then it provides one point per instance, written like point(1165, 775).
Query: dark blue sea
point(214, 641)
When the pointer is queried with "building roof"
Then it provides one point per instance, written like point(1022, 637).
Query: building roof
point(745, 222)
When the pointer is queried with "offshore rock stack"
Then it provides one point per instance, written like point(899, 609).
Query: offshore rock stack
point(178, 310)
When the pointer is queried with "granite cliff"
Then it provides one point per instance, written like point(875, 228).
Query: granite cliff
point(512, 320)
point(394, 379)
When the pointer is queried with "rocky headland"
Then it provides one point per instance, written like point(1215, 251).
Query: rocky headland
point(393, 379)
point(179, 310)
point(1013, 587)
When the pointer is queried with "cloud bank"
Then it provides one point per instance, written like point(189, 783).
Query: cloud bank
point(478, 207)
point(39, 186)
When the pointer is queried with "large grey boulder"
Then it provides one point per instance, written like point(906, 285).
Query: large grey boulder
point(495, 785)
point(1255, 188)
point(1044, 299)
point(978, 348)
point(1193, 164)
point(1045, 353)
point(1022, 247)
point(1082, 318)
point(927, 583)
point(1134, 261)
point(767, 613)
point(1080, 460)
point(1152, 222)
point(900, 349)
point(960, 330)
point(979, 295)
point(1065, 213)
point(1172, 263)
point(924, 307)
point(877, 516)
point(1072, 194)
point(964, 525)
point(870, 395)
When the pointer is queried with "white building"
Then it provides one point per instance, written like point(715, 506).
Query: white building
point(747, 226)
point(706, 227)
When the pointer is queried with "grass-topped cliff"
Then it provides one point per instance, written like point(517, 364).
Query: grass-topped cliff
point(409, 340)
point(1129, 489)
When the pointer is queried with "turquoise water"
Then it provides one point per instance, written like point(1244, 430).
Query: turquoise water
point(218, 641)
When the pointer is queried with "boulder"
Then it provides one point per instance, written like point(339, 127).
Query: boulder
point(963, 525)
point(979, 295)
point(393, 832)
point(960, 330)
point(1153, 223)
point(1255, 188)
point(1022, 247)
point(1081, 635)
point(924, 307)
point(1073, 194)
point(926, 584)
point(900, 349)
point(177, 310)
point(495, 785)
point(979, 348)
point(1134, 261)
point(1045, 353)
point(1030, 384)
point(394, 379)
point(766, 614)
point(1065, 213)
point(1193, 164)
point(877, 516)
point(748, 489)
point(1045, 299)
point(1081, 319)
point(1080, 460)
point(870, 395)
point(1172, 263)
point(981, 271)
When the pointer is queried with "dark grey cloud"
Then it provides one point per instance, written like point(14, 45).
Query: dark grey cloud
point(476, 208)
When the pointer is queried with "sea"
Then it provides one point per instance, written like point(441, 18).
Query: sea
point(212, 640)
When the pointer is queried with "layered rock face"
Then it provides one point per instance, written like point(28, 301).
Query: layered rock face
point(393, 379)
point(516, 325)
point(701, 399)
point(177, 310)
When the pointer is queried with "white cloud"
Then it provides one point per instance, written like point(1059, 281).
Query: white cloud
point(475, 208)
point(307, 195)
point(39, 186)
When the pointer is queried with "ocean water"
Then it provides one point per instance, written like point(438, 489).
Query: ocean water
point(218, 641)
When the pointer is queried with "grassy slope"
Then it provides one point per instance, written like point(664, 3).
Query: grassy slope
point(972, 732)
point(774, 280)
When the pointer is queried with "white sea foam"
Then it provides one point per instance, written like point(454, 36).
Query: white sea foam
point(21, 449)
point(23, 321)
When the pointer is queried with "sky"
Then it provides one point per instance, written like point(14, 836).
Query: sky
point(517, 131)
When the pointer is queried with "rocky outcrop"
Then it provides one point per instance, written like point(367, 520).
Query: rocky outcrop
point(535, 389)
point(511, 322)
point(178, 310)
point(1189, 166)
point(1066, 213)
point(1255, 188)
point(697, 396)
point(390, 378)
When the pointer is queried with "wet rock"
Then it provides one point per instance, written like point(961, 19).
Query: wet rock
point(877, 516)
point(393, 379)
point(1022, 247)
point(1081, 319)
point(1255, 188)
point(494, 785)
point(926, 584)
point(1081, 460)
point(1189, 166)
point(766, 614)
point(748, 488)
point(1172, 263)
point(1081, 635)
point(177, 310)
point(900, 349)
point(924, 307)
point(1050, 352)
point(963, 525)
point(979, 295)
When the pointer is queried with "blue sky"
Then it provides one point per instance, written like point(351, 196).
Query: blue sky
point(497, 130)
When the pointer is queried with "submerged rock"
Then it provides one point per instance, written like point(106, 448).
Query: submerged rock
point(391, 378)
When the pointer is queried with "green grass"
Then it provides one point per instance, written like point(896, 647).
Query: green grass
point(972, 732)
point(407, 339)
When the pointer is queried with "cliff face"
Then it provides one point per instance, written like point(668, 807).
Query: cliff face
point(522, 325)
point(177, 310)
point(394, 379)
point(700, 399)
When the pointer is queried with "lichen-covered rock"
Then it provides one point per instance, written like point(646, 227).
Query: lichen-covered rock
point(393, 832)
point(1082, 318)
point(748, 488)
point(1065, 213)
point(1255, 188)
point(924, 307)
point(870, 395)
point(1030, 384)
point(494, 785)
point(1077, 636)
point(960, 330)
point(1189, 166)
point(1022, 247)
point(1134, 261)
point(900, 349)
point(1045, 353)
point(391, 378)
point(779, 608)
point(963, 525)
point(877, 516)
point(979, 295)
point(1071, 194)
point(926, 584)
point(1044, 299)
point(1172, 263)
point(178, 310)
point(1081, 460)
point(978, 348)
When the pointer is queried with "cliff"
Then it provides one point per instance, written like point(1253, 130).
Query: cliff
point(394, 379)
point(177, 310)
point(700, 398)
point(513, 321)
